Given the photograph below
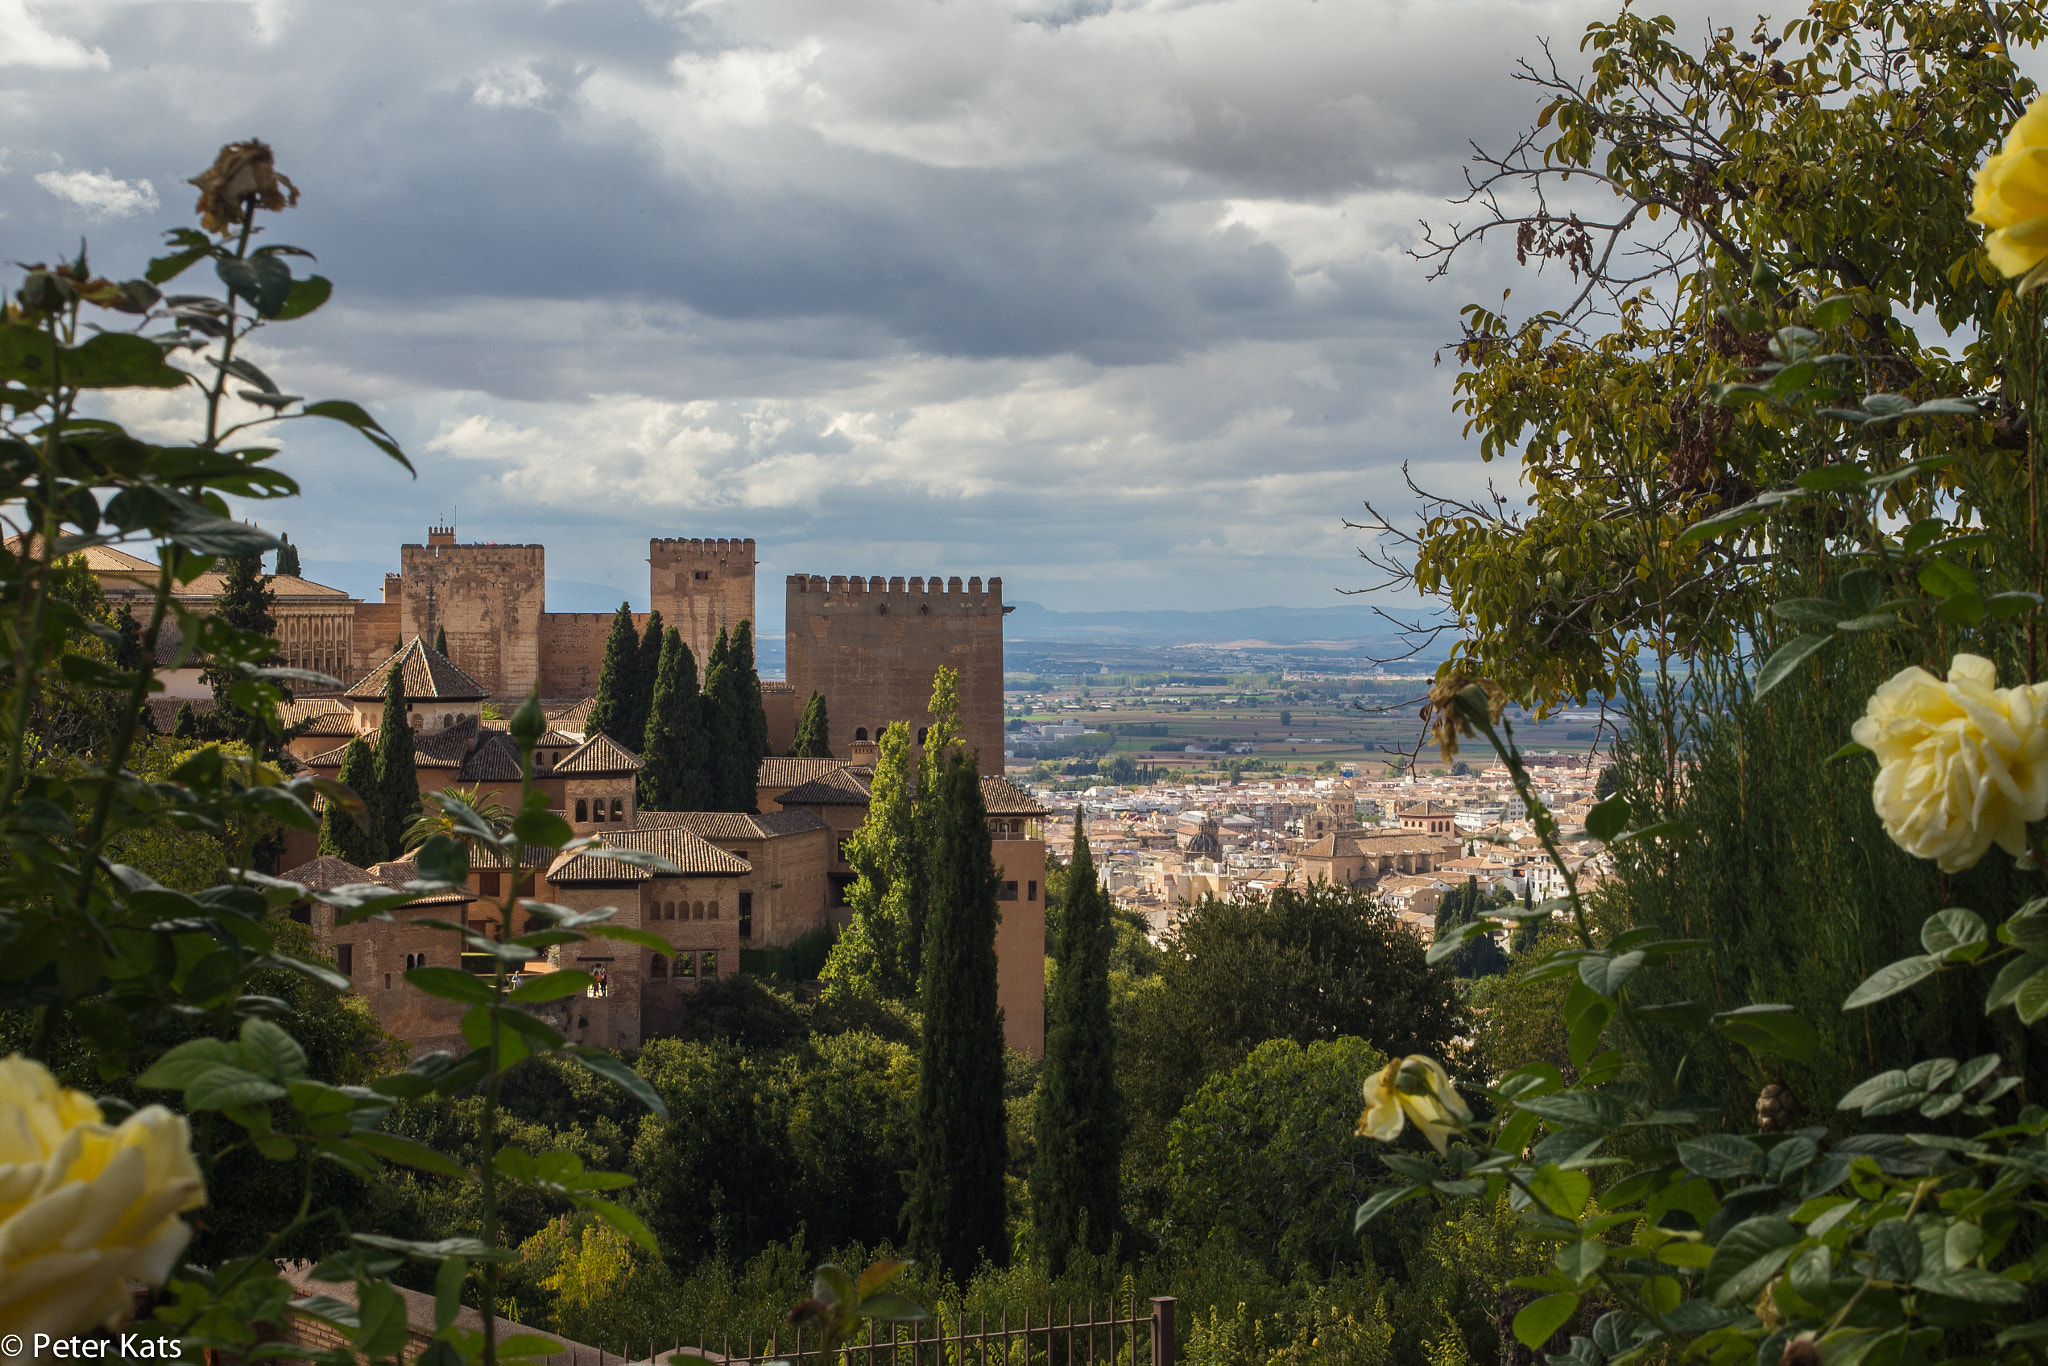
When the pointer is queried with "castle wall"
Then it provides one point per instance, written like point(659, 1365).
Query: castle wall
point(572, 650)
point(699, 586)
point(373, 635)
point(871, 646)
point(488, 598)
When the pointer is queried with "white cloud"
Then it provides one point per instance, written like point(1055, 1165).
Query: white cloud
point(26, 41)
point(100, 193)
point(513, 87)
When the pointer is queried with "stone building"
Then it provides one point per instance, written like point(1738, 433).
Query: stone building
point(1430, 818)
point(1361, 857)
point(871, 646)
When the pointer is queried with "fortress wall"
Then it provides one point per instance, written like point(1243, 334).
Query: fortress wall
point(374, 633)
point(572, 650)
point(700, 585)
point(872, 645)
point(488, 598)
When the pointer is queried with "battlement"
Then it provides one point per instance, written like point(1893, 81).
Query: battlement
point(839, 589)
point(441, 535)
point(516, 550)
point(679, 547)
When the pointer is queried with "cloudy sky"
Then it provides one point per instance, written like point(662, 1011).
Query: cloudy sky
point(1108, 297)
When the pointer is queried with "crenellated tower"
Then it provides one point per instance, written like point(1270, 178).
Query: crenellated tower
point(701, 586)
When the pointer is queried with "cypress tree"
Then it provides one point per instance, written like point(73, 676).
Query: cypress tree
point(1075, 1191)
point(731, 788)
point(287, 558)
point(645, 679)
point(813, 731)
point(398, 784)
point(753, 717)
point(441, 641)
point(342, 835)
point(185, 726)
point(673, 746)
point(957, 1199)
point(617, 679)
point(244, 602)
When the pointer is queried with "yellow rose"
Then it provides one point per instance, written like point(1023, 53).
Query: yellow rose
point(1414, 1088)
point(1964, 763)
point(2010, 195)
point(85, 1206)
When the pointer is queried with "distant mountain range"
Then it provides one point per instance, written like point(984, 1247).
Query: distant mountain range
point(1271, 625)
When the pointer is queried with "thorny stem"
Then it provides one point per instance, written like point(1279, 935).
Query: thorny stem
point(227, 346)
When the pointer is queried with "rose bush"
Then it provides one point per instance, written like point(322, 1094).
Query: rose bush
point(85, 1206)
point(2010, 196)
point(1964, 763)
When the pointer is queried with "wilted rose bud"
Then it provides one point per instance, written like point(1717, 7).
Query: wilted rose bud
point(243, 173)
point(1448, 697)
point(529, 723)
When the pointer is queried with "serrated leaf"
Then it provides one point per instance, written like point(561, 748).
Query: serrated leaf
point(271, 1051)
point(1723, 1157)
point(1947, 931)
point(1895, 1250)
point(1747, 1257)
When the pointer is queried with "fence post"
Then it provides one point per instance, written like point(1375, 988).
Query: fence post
point(1162, 1330)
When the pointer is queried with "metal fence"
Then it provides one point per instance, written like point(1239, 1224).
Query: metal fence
point(947, 1339)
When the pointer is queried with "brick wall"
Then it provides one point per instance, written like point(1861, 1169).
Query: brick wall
point(488, 598)
point(701, 585)
point(572, 650)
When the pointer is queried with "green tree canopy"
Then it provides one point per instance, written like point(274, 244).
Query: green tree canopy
point(673, 748)
point(877, 954)
point(646, 678)
point(813, 731)
point(617, 677)
point(398, 784)
point(287, 558)
point(344, 836)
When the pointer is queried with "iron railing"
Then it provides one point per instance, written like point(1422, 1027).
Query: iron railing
point(945, 1339)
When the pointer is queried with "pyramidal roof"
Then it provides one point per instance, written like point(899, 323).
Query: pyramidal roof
point(427, 676)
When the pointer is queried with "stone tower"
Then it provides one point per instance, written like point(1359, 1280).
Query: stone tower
point(701, 586)
point(871, 647)
point(489, 599)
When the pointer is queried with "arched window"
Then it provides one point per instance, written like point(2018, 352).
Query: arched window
point(582, 810)
point(618, 809)
point(922, 731)
point(714, 910)
point(860, 732)
point(697, 910)
point(668, 912)
point(660, 967)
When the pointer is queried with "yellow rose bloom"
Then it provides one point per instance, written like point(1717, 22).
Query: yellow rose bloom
point(1964, 763)
point(2010, 196)
point(85, 1206)
point(1414, 1088)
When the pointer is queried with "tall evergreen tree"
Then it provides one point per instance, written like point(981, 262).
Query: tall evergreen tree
point(645, 679)
point(185, 725)
point(956, 1206)
point(398, 784)
point(441, 641)
point(732, 787)
point(287, 558)
point(342, 835)
point(753, 717)
point(617, 680)
point(876, 955)
point(1481, 956)
point(1076, 1198)
point(673, 748)
point(244, 602)
point(813, 731)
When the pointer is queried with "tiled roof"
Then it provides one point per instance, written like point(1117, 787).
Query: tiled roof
point(1004, 798)
point(494, 760)
point(532, 857)
point(165, 710)
point(681, 847)
point(573, 718)
point(782, 771)
point(841, 786)
point(557, 739)
point(1427, 809)
point(398, 872)
point(1346, 843)
point(326, 872)
point(429, 676)
point(599, 754)
point(731, 825)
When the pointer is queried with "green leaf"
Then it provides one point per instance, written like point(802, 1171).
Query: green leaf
point(303, 297)
point(1724, 1157)
point(1789, 656)
point(341, 410)
point(553, 986)
point(1608, 819)
point(2016, 973)
point(174, 264)
point(1775, 1029)
point(271, 1051)
point(542, 829)
point(277, 1147)
point(889, 1307)
point(219, 1086)
point(528, 1345)
point(265, 281)
point(1747, 1257)
point(1944, 580)
point(627, 934)
point(2031, 1000)
point(1450, 941)
point(1580, 1260)
point(2002, 605)
point(1563, 1193)
point(622, 1219)
point(448, 1291)
point(1861, 589)
point(609, 1067)
point(1606, 972)
point(1691, 1016)
point(1892, 979)
point(1384, 1201)
point(451, 984)
point(380, 1314)
point(1834, 310)
point(1894, 1250)
point(1964, 609)
point(1810, 611)
point(120, 360)
point(1956, 934)
point(398, 1148)
point(178, 1068)
point(1538, 1321)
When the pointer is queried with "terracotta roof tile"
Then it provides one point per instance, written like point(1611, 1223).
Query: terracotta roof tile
point(494, 760)
point(680, 846)
point(326, 872)
point(398, 872)
point(429, 676)
point(842, 786)
point(599, 754)
point(783, 771)
point(731, 825)
point(1004, 798)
